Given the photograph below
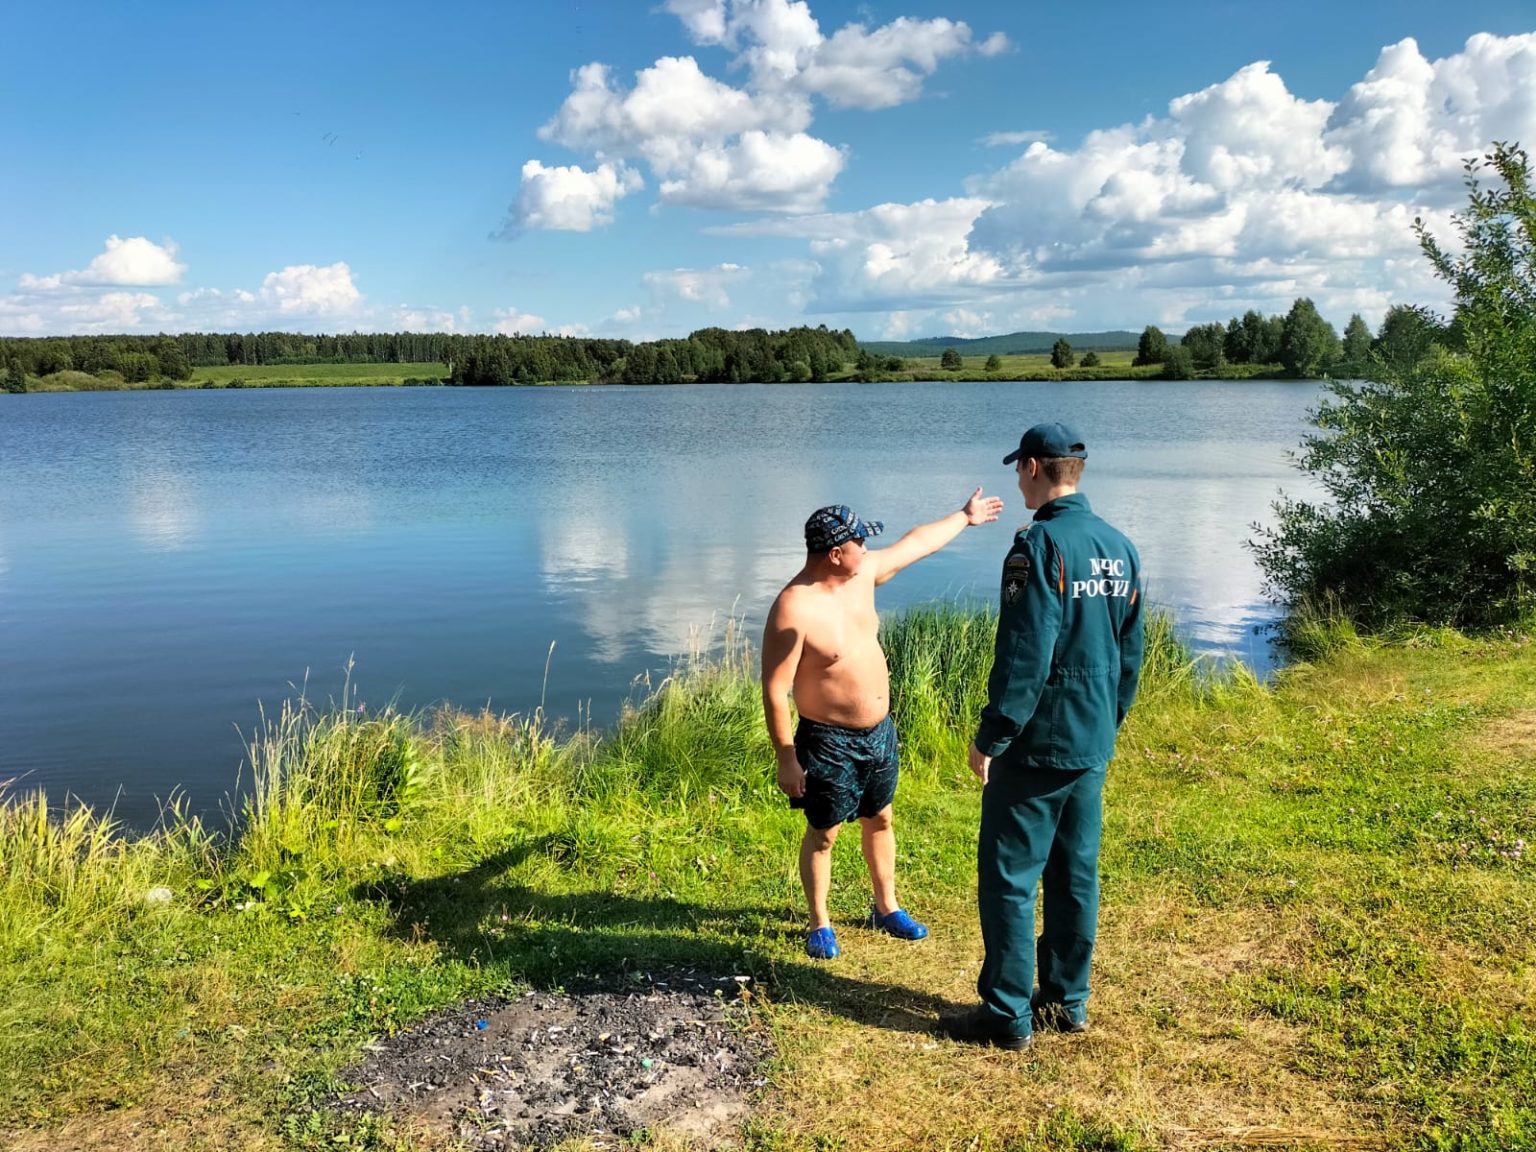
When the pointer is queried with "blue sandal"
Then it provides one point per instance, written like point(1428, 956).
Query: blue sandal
point(898, 924)
point(821, 944)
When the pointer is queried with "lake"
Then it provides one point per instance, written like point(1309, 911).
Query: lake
point(170, 559)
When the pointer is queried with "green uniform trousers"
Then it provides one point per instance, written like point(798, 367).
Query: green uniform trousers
point(1038, 823)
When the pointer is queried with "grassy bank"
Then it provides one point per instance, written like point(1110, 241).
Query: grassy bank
point(1319, 917)
point(316, 375)
point(250, 376)
point(1032, 368)
point(1037, 367)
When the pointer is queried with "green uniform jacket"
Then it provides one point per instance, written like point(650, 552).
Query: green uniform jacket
point(1069, 642)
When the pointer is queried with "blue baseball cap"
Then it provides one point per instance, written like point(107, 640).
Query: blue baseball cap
point(836, 524)
point(1048, 442)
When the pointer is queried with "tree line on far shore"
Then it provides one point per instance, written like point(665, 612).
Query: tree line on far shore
point(708, 355)
point(1300, 344)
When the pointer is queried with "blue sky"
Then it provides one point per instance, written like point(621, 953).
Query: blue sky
point(902, 168)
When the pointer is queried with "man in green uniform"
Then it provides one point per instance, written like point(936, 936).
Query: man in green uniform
point(1064, 673)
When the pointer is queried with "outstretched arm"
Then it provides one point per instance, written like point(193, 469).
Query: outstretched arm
point(782, 645)
point(926, 539)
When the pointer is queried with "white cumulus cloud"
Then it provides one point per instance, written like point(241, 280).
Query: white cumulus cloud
point(113, 312)
point(672, 107)
point(1246, 195)
point(570, 199)
point(134, 262)
point(704, 19)
point(293, 296)
point(1411, 122)
point(511, 322)
point(995, 45)
point(891, 255)
point(711, 144)
point(706, 286)
point(406, 318)
point(21, 316)
point(859, 68)
point(1240, 195)
point(782, 46)
point(305, 290)
point(763, 171)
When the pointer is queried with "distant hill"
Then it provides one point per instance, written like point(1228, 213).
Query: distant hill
point(1013, 344)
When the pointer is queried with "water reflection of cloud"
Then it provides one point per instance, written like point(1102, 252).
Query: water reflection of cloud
point(582, 550)
point(163, 513)
point(687, 543)
point(669, 572)
point(1191, 509)
point(589, 560)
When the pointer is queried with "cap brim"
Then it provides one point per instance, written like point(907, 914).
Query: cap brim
point(1012, 456)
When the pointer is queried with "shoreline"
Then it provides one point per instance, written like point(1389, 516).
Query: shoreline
point(255, 378)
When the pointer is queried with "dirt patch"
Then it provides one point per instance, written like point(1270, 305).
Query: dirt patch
point(673, 1050)
point(193, 1115)
point(1512, 737)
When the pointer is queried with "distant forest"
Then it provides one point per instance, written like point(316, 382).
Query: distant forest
point(1013, 344)
point(1299, 344)
point(710, 355)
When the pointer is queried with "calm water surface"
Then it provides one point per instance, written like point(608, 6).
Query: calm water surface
point(170, 559)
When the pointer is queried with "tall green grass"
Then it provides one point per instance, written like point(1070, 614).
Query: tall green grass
point(1329, 829)
point(67, 872)
point(329, 786)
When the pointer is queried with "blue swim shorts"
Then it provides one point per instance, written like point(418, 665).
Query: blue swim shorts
point(848, 771)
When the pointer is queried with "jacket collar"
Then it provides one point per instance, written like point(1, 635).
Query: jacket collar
point(1072, 502)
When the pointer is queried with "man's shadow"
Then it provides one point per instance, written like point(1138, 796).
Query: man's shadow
point(593, 938)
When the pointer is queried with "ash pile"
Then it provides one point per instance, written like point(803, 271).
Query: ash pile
point(673, 1050)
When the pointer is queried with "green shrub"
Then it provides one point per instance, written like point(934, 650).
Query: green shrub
point(72, 381)
point(1430, 467)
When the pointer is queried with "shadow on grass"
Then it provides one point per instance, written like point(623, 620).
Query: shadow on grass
point(589, 939)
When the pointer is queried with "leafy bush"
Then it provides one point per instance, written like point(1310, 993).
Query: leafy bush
point(72, 381)
point(1178, 363)
point(1430, 466)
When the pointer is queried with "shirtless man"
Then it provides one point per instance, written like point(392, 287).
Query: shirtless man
point(820, 641)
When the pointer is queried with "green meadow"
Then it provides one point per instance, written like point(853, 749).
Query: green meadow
point(306, 375)
point(252, 376)
point(1319, 915)
point(1112, 365)
point(1023, 363)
